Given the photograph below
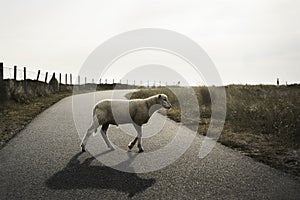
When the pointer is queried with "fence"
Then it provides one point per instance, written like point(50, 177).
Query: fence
point(18, 74)
point(22, 83)
point(23, 73)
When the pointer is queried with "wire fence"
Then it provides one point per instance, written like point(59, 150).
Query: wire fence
point(66, 81)
point(23, 73)
point(18, 74)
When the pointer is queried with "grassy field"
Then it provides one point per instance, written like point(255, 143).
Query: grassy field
point(15, 116)
point(262, 121)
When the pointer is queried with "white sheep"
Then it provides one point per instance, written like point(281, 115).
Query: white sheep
point(136, 111)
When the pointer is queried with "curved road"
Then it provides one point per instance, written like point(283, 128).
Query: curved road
point(44, 162)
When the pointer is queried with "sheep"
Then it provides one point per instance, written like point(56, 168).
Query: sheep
point(115, 112)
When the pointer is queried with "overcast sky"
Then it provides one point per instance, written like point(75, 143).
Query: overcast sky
point(249, 41)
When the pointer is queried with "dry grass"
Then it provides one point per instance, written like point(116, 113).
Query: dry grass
point(262, 121)
point(15, 116)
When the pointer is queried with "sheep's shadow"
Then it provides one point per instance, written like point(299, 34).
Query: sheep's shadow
point(82, 175)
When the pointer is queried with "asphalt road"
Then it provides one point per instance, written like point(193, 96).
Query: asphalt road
point(44, 162)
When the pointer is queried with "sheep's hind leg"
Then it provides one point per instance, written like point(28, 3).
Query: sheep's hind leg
point(103, 133)
point(132, 143)
point(139, 137)
point(87, 135)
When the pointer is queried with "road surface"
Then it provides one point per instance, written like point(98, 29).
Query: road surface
point(44, 162)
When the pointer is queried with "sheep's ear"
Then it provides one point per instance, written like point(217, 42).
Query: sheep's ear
point(159, 96)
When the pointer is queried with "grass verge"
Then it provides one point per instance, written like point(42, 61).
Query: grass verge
point(15, 116)
point(262, 121)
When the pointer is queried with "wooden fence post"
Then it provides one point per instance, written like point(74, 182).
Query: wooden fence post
point(85, 80)
point(66, 79)
point(1, 73)
point(24, 73)
point(38, 75)
point(46, 77)
point(59, 78)
point(15, 72)
point(2, 97)
point(78, 80)
point(93, 81)
point(25, 81)
point(70, 79)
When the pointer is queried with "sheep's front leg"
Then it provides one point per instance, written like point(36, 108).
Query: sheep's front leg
point(103, 133)
point(85, 138)
point(139, 137)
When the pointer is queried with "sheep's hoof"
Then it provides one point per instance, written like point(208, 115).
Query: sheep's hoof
point(141, 150)
point(82, 148)
point(130, 146)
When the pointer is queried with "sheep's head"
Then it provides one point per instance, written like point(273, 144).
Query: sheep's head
point(164, 101)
